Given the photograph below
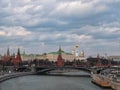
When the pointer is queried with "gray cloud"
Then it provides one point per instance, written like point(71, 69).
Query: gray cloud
point(94, 24)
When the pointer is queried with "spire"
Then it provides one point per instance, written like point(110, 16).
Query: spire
point(7, 56)
point(18, 53)
point(59, 59)
point(60, 50)
point(18, 60)
point(8, 52)
point(99, 62)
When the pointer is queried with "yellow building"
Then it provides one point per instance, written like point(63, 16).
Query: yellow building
point(26, 57)
point(114, 57)
point(52, 56)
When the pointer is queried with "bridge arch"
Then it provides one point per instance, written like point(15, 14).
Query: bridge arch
point(44, 70)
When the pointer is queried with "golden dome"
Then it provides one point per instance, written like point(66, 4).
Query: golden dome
point(76, 46)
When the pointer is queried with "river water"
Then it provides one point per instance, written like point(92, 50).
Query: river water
point(40, 82)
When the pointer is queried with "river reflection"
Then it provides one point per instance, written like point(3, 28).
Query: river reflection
point(38, 82)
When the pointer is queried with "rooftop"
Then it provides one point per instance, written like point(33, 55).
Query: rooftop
point(61, 52)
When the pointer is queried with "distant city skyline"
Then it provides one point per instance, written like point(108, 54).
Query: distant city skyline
point(40, 26)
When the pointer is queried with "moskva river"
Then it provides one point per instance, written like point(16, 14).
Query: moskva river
point(40, 82)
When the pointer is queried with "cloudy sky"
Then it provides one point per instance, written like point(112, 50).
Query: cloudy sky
point(39, 26)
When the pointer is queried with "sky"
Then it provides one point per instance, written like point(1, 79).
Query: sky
point(39, 26)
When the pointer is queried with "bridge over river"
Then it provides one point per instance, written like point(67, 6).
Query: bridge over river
point(52, 82)
point(43, 82)
point(45, 70)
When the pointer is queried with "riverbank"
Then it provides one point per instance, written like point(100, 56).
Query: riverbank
point(14, 75)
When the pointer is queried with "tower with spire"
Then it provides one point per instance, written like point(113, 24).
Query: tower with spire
point(7, 56)
point(99, 62)
point(59, 59)
point(17, 60)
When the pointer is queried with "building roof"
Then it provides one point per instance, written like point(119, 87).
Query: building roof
point(61, 52)
point(114, 57)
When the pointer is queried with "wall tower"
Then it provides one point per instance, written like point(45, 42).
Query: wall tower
point(59, 59)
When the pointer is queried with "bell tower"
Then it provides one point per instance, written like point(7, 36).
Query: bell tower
point(76, 51)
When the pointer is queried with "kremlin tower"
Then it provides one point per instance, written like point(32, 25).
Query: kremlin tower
point(109, 63)
point(59, 59)
point(17, 60)
point(99, 63)
point(7, 57)
point(12, 59)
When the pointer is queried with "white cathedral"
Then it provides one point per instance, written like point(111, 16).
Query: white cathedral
point(78, 55)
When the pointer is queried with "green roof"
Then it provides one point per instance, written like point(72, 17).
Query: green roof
point(68, 53)
point(58, 52)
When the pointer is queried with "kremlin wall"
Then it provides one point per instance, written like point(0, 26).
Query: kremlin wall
point(14, 59)
point(51, 56)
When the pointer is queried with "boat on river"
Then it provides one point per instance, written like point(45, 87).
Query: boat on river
point(115, 83)
point(108, 78)
point(101, 80)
